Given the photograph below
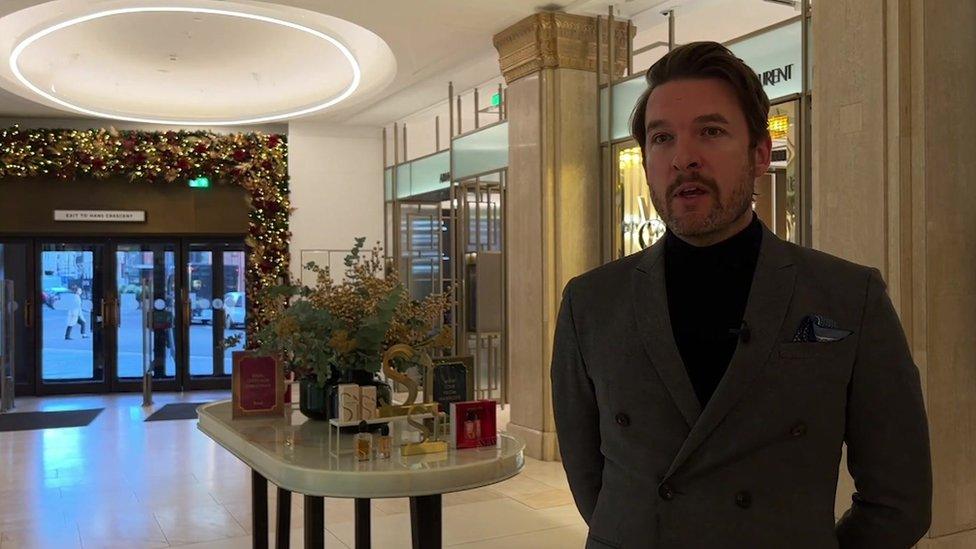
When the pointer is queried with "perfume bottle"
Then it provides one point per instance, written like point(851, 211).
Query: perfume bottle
point(363, 442)
point(470, 425)
point(477, 426)
point(384, 443)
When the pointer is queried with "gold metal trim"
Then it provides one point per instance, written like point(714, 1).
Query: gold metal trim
point(557, 40)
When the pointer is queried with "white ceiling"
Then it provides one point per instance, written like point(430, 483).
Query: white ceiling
point(224, 66)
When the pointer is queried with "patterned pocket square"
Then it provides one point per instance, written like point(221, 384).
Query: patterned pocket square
point(819, 329)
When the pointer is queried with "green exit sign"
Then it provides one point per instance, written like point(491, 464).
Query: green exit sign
point(496, 99)
point(200, 183)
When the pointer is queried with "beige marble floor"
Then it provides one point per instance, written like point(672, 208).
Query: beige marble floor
point(121, 482)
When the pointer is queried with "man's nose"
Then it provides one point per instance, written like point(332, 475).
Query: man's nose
point(686, 157)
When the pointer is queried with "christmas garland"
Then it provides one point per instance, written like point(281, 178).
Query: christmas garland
point(254, 161)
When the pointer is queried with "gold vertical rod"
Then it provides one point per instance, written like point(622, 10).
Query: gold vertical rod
point(396, 144)
point(611, 50)
point(599, 52)
point(476, 122)
point(396, 196)
point(450, 109)
point(501, 116)
point(384, 147)
point(459, 131)
point(437, 134)
point(604, 183)
point(670, 15)
point(630, 48)
point(405, 142)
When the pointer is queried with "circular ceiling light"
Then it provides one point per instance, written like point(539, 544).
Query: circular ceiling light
point(23, 45)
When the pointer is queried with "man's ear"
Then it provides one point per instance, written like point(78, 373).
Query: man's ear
point(762, 155)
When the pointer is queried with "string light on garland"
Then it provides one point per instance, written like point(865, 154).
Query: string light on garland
point(256, 162)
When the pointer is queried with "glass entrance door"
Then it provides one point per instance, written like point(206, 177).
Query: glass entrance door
point(72, 311)
point(146, 280)
point(215, 308)
point(81, 308)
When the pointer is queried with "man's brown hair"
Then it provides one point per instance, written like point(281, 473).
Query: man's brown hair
point(707, 60)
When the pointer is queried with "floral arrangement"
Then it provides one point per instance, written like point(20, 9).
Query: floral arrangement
point(348, 325)
point(255, 161)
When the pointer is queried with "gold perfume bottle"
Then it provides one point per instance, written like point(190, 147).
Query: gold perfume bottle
point(363, 442)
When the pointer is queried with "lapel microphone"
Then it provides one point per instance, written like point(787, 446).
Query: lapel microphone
point(743, 332)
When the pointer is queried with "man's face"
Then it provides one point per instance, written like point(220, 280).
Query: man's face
point(700, 168)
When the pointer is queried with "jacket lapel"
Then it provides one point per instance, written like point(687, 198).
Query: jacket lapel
point(654, 326)
point(766, 308)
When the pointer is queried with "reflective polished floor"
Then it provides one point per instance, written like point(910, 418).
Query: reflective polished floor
point(121, 482)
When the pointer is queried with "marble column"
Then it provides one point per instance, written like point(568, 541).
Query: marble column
point(553, 196)
point(894, 132)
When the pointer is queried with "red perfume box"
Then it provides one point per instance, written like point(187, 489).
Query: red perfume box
point(473, 424)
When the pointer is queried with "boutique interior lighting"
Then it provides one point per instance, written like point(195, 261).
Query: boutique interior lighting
point(24, 44)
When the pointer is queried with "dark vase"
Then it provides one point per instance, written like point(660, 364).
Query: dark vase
point(322, 403)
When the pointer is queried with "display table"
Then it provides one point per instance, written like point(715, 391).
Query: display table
point(293, 453)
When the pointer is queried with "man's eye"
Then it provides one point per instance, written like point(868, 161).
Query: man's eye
point(712, 131)
point(660, 138)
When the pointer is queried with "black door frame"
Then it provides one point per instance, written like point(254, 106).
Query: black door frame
point(108, 291)
point(24, 317)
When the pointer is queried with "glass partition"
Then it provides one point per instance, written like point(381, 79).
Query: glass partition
point(480, 152)
point(625, 96)
point(775, 55)
point(403, 181)
point(777, 58)
point(426, 174)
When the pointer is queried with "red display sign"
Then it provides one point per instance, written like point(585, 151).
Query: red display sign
point(258, 385)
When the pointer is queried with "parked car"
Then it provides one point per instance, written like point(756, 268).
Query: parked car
point(235, 313)
point(234, 309)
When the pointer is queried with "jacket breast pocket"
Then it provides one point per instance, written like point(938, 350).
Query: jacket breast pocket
point(816, 350)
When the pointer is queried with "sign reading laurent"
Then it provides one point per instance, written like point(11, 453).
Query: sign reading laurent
point(101, 216)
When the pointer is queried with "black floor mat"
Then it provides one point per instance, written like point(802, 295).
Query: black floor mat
point(29, 421)
point(178, 410)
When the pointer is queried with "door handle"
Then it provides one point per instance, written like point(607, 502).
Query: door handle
point(186, 307)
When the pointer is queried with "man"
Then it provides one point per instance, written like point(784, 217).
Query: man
point(703, 388)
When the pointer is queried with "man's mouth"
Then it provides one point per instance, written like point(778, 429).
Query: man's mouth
point(690, 190)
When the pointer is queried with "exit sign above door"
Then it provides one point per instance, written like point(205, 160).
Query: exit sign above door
point(102, 216)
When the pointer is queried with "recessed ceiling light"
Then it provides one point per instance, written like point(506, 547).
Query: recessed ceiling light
point(353, 64)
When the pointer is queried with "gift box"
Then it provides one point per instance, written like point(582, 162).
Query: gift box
point(349, 402)
point(473, 424)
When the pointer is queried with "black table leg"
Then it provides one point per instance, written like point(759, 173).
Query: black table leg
point(283, 518)
point(314, 522)
point(259, 510)
point(425, 521)
point(362, 523)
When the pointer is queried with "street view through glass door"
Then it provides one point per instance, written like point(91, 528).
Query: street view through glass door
point(98, 300)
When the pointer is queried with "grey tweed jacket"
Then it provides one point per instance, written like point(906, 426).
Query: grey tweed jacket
point(758, 466)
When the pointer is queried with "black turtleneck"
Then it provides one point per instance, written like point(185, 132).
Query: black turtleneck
point(707, 292)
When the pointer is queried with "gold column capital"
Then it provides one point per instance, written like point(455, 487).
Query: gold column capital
point(557, 40)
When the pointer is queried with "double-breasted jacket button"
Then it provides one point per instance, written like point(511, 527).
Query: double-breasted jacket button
point(743, 499)
point(665, 491)
point(798, 430)
point(622, 419)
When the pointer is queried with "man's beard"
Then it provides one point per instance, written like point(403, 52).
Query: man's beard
point(721, 214)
